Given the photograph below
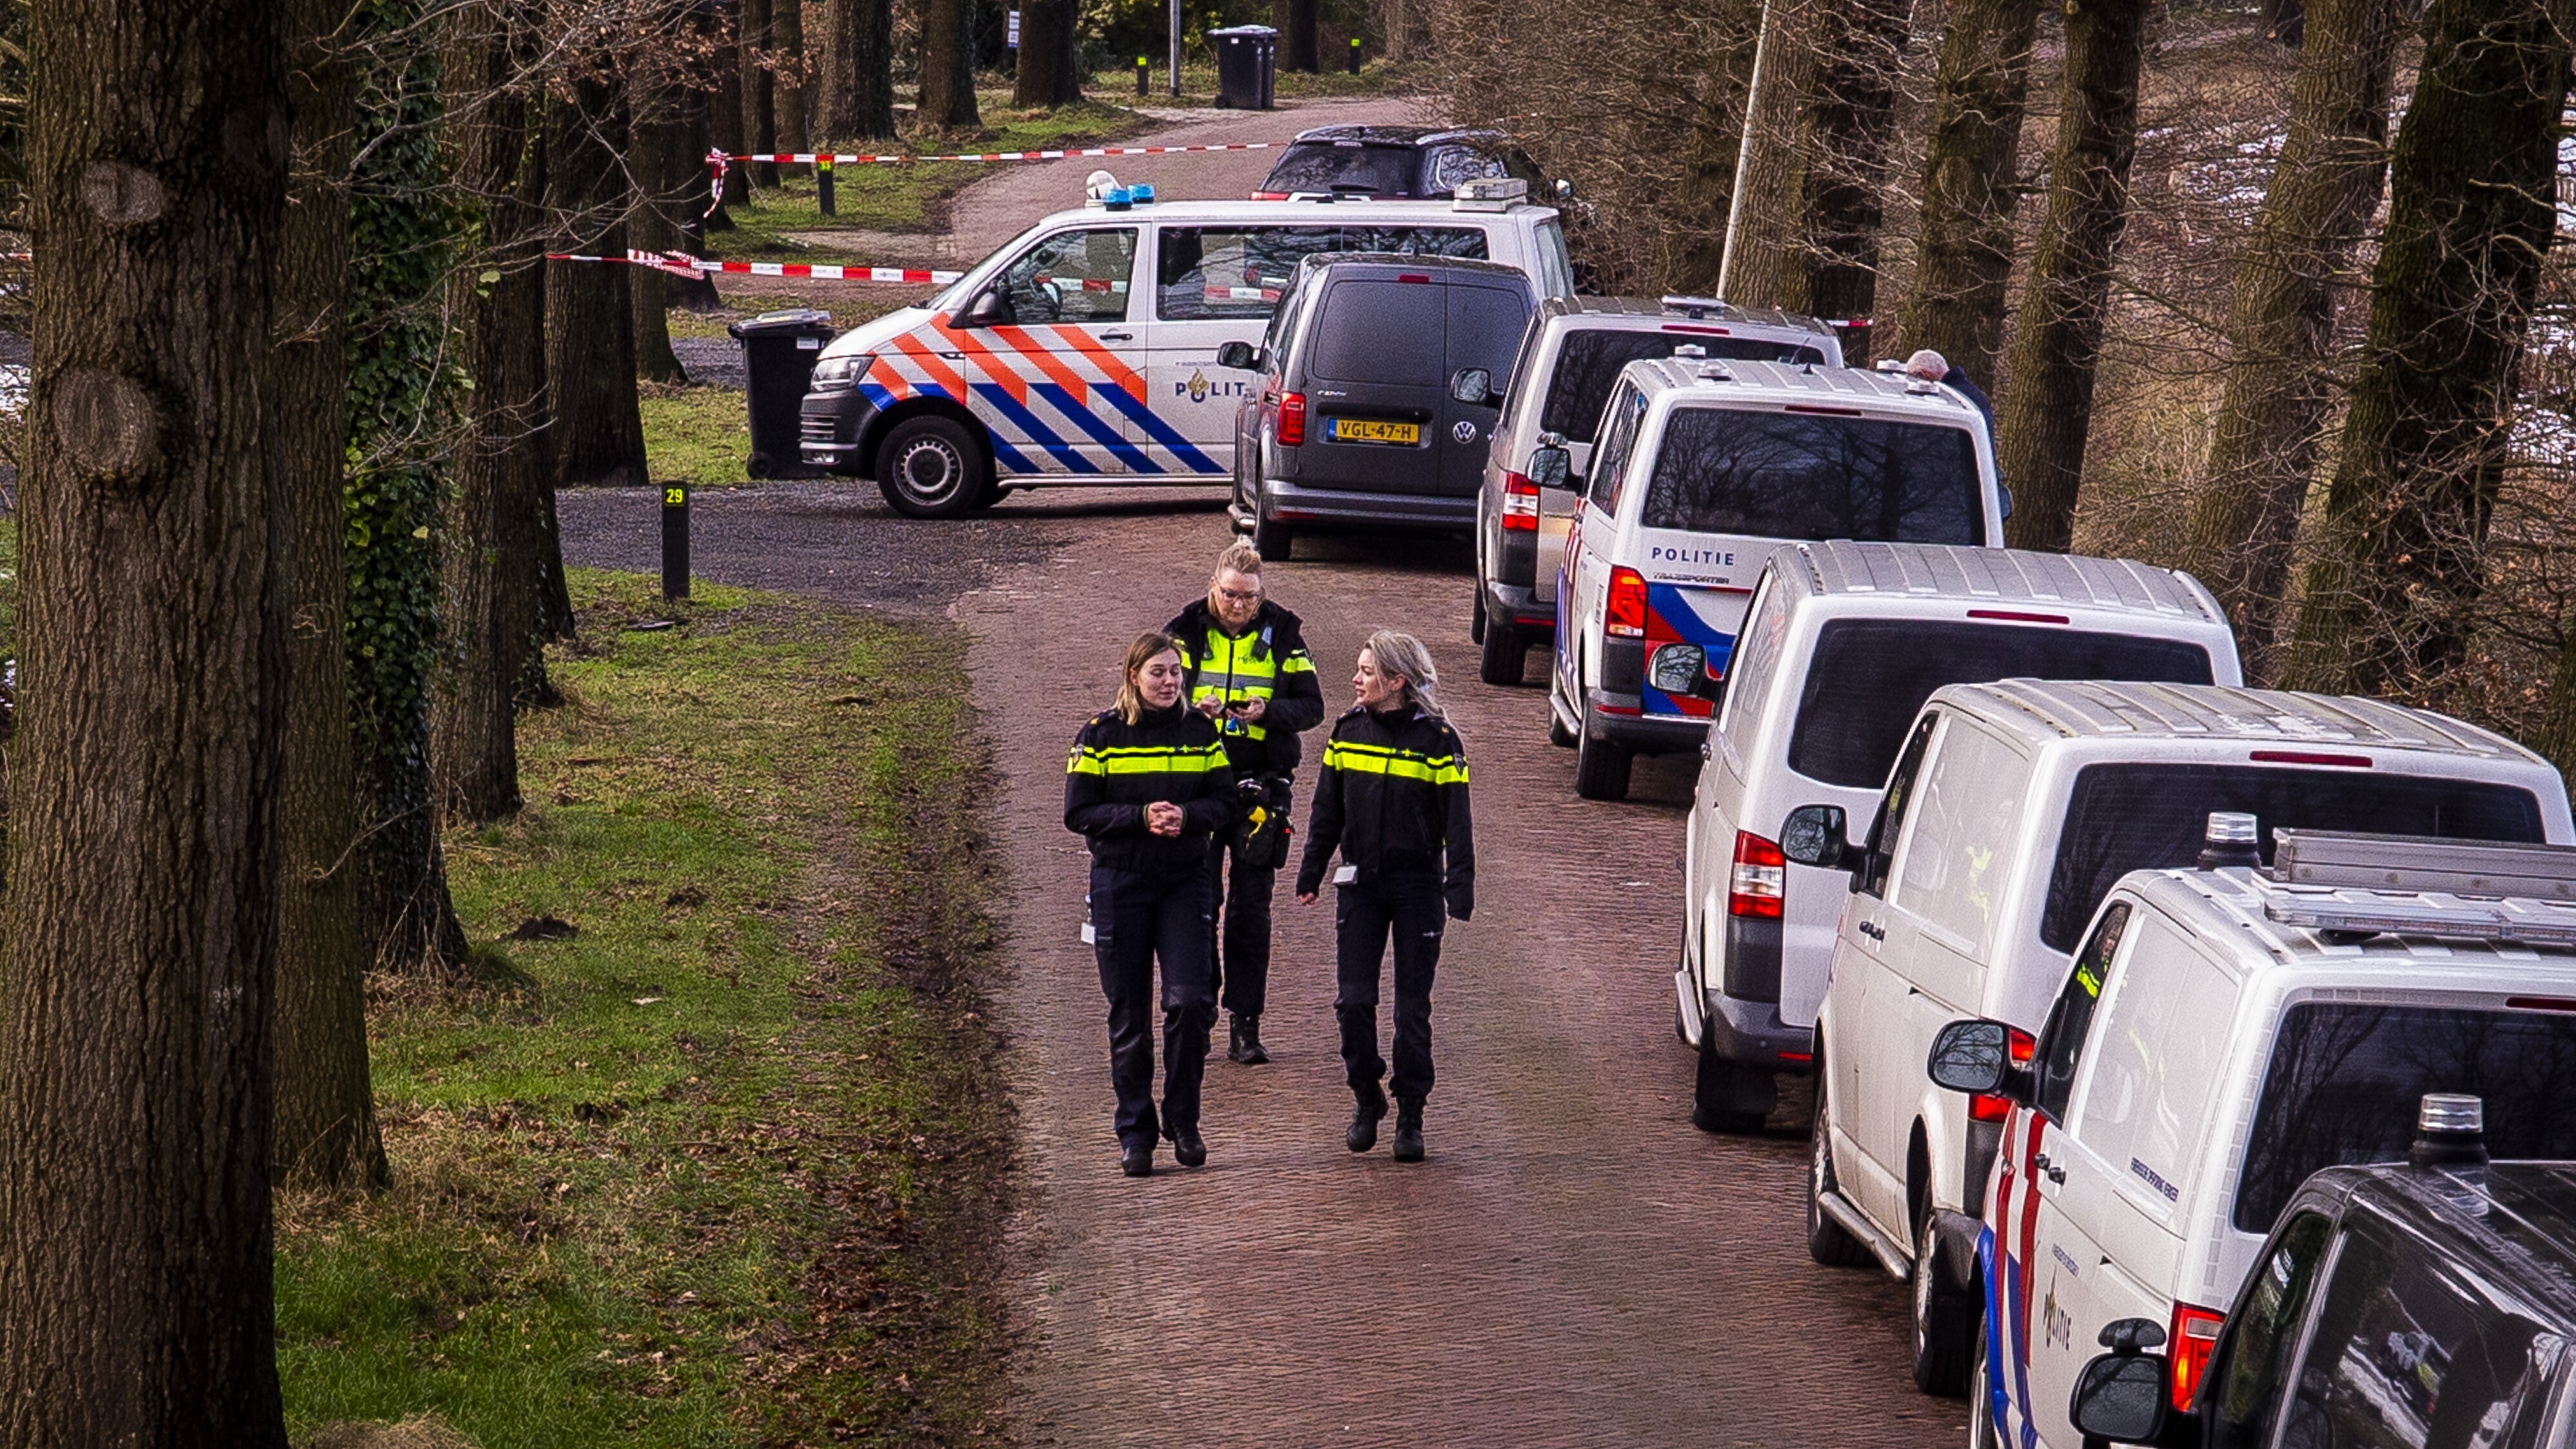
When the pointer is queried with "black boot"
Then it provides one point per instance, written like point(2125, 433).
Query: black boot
point(1136, 1159)
point(1364, 1119)
point(1247, 1041)
point(1408, 1130)
point(1188, 1148)
point(1234, 1038)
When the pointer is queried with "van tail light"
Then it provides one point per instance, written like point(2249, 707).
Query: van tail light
point(1520, 504)
point(1753, 887)
point(1270, 196)
point(2022, 1047)
point(2194, 1333)
point(1627, 604)
point(1290, 430)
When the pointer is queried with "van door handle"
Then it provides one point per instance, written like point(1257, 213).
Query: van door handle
point(1873, 930)
point(2039, 1161)
point(1117, 336)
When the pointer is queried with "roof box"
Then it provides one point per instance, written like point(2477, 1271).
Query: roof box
point(1490, 193)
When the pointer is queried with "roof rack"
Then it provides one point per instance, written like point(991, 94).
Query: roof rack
point(1695, 308)
point(2348, 886)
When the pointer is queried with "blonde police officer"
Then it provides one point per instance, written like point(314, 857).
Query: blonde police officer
point(1246, 668)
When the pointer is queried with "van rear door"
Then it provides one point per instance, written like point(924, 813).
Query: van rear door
point(1486, 318)
point(1376, 394)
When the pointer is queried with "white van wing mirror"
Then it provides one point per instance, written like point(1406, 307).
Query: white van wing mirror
point(1816, 835)
point(1236, 355)
point(2120, 1396)
point(1552, 468)
point(1971, 1056)
point(984, 311)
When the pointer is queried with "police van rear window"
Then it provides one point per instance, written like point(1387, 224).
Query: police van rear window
point(1806, 476)
point(1388, 171)
point(1869, 677)
point(2125, 817)
point(1589, 361)
point(1236, 271)
point(2346, 1079)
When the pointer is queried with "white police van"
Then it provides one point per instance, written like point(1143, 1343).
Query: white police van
point(1703, 467)
point(1084, 351)
point(2224, 1034)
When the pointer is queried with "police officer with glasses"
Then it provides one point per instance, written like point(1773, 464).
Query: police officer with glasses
point(1246, 668)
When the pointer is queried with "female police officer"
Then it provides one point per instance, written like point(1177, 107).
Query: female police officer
point(1149, 784)
point(1393, 797)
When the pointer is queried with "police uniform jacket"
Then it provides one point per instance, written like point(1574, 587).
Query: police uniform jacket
point(1117, 769)
point(1393, 797)
point(1267, 661)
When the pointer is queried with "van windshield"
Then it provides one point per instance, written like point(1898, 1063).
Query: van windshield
point(1809, 476)
point(2125, 817)
point(1588, 363)
point(1391, 171)
point(1869, 677)
point(2346, 1079)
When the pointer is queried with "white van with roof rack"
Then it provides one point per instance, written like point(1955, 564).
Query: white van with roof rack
point(2225, 1033)
point(2011, 811)
point(1841, 645)
point(1702, 468)
point(1569, 359)
point(1084, 350)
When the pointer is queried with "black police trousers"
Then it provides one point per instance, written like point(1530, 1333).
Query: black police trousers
point(1136, 920)
point(1242, 892)
point(1365, 914)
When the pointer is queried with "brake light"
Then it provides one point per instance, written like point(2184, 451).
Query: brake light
point(1753, 887)
point(2540, 1003)
point(2022, 1047)
point(1270, 196)
point(1627, 604)
point(1290, 430)
point(2303, 757)
point(2018, 617)
point(1702, 331)
point(1413, 276)
point(1520, 503)
point(1821, 409)
point(2194, 1332)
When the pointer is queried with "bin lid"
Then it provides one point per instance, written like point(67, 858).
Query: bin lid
point(1248, 32)
point(793, 319)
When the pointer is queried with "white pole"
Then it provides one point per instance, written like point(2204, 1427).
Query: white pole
point(1176, 48)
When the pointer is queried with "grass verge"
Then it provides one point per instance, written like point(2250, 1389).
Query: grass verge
point(718, 1168)
point(700, 436)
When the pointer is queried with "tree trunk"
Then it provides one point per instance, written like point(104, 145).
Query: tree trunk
point(728, 116)
point(1964, 252)
point(2272, 417)
point(325, 1111)
point(1048, 75)
point(655, 96)
point(2284, 20)
point(759, 87)
point(947, 65)
point(402, 420)
point(854, 94)
point(1710, 147)
point(1765, 265)
point(141, 934)
point(2048, 409)
point(1300, 46)
point(492, 570)
point(2386, 599)
point(1850, 121)
point(788, 70)
point(590, 324)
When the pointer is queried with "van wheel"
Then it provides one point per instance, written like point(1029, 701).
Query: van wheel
point(1729, 1096)
point(1827, 1243)
point(1506, 657)
point(1942, 1328)
point(1272, 538)
point(1981, 1397)
point(1600, 768)
point(930, 467)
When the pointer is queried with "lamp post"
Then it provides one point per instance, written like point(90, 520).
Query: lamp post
point(1176, 49)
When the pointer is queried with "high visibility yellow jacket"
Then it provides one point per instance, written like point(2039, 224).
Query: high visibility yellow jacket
point(1267, 661)
point(1116, 769)
point(1392, 796)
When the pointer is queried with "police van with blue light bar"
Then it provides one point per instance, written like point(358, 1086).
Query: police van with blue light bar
point(2226, 1033)
point(1084, 351)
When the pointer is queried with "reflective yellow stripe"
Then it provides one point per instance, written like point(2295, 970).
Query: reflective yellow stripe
point(1298, 663)
point(1147, 760)
point(1404, 764)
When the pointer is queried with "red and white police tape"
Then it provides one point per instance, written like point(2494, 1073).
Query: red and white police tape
point(682, 264)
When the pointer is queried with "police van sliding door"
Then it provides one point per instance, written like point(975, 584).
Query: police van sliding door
point(1220, 283)
point(1057, 377)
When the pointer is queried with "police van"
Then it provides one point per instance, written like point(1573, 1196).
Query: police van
point(2227, 1032)
point(1084, 351)
point(1702, 468)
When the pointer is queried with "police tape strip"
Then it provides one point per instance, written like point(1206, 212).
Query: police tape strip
point(840, 158)
point(684, 265)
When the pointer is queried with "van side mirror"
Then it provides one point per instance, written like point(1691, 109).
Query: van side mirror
point(1474, 386)
point(1973, 1057)
point(1814, 835)
point(985, 311)
point(2120, 1395)
point(1236, 355)
point(1551, 468)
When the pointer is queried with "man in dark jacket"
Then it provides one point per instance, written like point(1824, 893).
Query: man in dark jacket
point(1246, 668)
point(1392, 797)
point(1933, 367)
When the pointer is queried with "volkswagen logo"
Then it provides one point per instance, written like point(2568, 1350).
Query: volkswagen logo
point(1464, 431)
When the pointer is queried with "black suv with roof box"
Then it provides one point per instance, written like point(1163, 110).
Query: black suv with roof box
point(1357, 416)
point(2429, 1304)
point(1392, 162)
